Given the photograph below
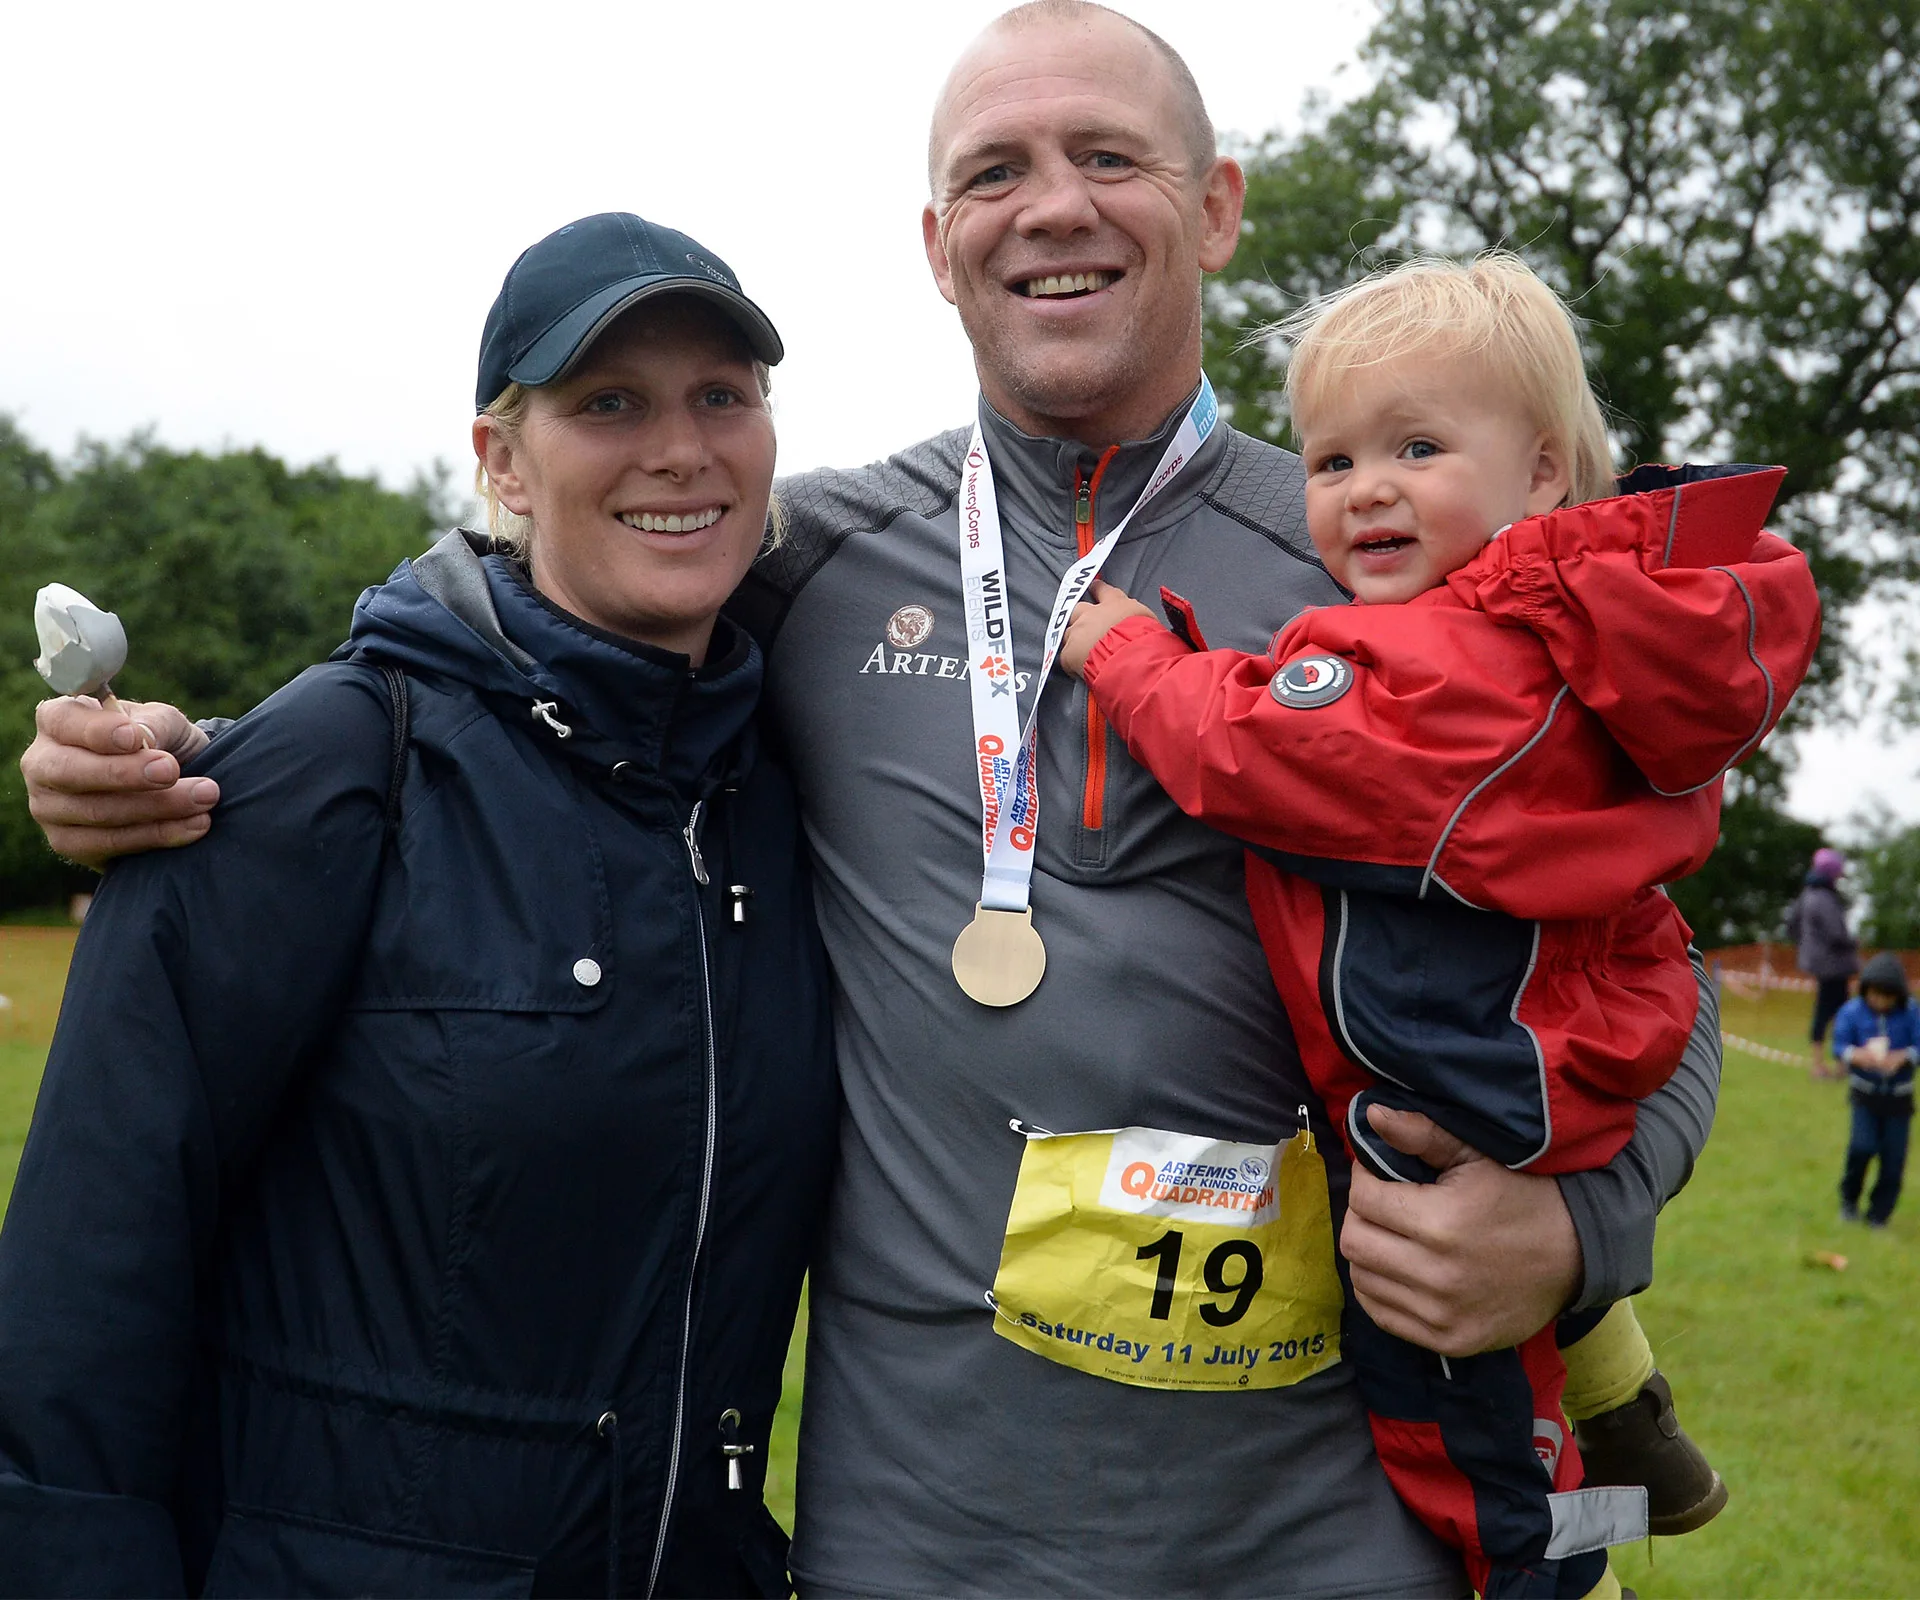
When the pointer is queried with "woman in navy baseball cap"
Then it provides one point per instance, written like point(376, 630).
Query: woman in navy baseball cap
point(434, 1222)
point(611, 338)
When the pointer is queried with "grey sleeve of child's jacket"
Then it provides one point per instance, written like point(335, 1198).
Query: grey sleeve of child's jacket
point(1614, 1206)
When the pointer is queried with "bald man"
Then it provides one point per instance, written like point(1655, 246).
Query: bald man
point(1006, 1393)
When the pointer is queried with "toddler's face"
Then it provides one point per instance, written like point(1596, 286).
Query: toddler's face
point(1412, 466)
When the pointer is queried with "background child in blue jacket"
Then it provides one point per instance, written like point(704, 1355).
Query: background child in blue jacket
point(1876, 1036)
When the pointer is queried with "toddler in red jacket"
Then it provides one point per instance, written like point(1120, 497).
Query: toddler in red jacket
point(1460, 796)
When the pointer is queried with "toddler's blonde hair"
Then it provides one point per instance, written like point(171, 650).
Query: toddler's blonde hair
point(1493, 310)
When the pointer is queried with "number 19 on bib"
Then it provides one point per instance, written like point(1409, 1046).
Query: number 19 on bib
point(1171, 1261)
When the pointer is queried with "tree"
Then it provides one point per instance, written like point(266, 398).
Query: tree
point(26, 473)
point(1756, 869)
point(1728, 193)
point(231, 572)
point(1886, 870)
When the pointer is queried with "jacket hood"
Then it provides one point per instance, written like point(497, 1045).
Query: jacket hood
point(1691, 516)
point(1884, 972)
point(466, 612)
point(1713, 512)
point(1620, 592)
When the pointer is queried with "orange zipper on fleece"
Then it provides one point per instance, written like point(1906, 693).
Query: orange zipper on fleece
point(1093, 799)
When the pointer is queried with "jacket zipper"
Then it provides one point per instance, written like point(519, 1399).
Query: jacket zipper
point(1093, 798)
point(691, 834)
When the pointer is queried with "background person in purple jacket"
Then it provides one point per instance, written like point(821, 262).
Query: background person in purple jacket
point(1824, 947)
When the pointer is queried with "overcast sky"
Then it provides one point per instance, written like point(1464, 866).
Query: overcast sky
point(283, 225)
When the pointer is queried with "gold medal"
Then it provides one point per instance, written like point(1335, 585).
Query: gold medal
point(998, 958)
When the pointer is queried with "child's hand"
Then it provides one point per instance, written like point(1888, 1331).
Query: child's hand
point(1104, 609)
point(1882, 1060)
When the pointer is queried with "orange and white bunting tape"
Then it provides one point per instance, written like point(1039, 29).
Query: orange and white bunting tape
point(1753, 984)
point(1766, 1052)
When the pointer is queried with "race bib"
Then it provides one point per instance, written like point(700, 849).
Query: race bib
point(1170, 1261)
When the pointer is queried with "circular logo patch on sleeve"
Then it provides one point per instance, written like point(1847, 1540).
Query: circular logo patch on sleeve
point(1312, 681)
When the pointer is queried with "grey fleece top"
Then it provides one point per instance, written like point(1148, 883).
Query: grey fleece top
point(937, 1458)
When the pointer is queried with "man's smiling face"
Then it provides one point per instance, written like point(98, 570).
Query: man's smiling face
point(1070, 229)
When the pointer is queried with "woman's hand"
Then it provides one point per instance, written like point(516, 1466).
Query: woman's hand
point(1104, 609)
point(1479, 1260)
point(103, 783)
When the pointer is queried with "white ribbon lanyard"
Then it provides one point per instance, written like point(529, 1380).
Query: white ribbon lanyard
point(1003, 750)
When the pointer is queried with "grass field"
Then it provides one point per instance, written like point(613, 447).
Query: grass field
point(1803, 1382)
point(33, 970)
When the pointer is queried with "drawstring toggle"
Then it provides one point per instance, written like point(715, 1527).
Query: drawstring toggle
point(544, 710)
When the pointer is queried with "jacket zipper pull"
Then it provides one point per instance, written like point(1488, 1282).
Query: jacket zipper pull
point(1082, 502)
point(732, 1448)
point(691, 833)
point(738, 894)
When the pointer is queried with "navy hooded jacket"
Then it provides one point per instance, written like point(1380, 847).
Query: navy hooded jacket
point(410, 1211)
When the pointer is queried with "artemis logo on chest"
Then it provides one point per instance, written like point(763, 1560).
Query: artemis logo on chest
point(1311, 681)
point(898, 654)
point(907, 628)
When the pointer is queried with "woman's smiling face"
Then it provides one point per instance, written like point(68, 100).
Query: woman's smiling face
point(646, 472)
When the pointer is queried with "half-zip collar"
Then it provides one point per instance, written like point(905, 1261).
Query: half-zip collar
point(472, 616)
point(1035, 479)
point(1065, 496)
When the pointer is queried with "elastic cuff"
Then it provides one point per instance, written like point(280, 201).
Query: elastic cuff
point(1121, 635)
point(1616, 1244)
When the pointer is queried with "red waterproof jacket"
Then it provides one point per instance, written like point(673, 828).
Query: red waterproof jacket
point(1459, 809)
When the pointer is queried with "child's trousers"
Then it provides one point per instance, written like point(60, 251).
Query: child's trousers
point(1882, 1136)
point(1477, 1449)
point(1478, 1446)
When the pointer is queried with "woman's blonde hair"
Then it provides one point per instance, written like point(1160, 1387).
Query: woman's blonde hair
point(509, 528)
point(1494, 310)
point(509, 410)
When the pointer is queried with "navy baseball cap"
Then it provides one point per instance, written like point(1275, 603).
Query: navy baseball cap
point(564, 291)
